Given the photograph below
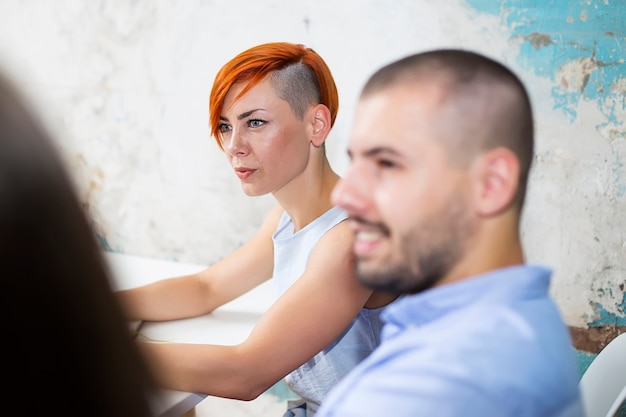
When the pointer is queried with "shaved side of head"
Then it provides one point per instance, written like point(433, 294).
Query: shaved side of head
point(482, 104)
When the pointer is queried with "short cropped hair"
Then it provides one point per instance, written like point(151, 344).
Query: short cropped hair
point(299, 75)
point(491, 107)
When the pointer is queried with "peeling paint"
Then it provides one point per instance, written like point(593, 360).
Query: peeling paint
point(578, 46)
point(592, 340)
point(574, 76)
point(619, 86)
point(584, 55)
point(538, 40)
point(614, 316)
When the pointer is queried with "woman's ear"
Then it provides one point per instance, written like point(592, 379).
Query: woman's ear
point(320, 124)
point(496, 177)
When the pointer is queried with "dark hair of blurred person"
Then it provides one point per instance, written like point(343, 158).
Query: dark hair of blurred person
point(69, 347)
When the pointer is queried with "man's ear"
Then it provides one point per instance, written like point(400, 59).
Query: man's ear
point(496, 179)
point(320, 124)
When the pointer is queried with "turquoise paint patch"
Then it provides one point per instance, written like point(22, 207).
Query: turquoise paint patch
point(557, 33)
point(605, 318)
point(583, 360)
point(281, 391)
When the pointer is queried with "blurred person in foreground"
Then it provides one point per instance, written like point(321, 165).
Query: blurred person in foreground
point(441, 148)
point(66, 338)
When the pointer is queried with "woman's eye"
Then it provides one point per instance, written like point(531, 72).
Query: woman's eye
point(255, 123)
point(223, 127)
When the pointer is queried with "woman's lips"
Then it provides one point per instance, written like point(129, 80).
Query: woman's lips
point(244, 173)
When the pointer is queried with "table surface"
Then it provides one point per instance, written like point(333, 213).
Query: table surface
point(230, 324)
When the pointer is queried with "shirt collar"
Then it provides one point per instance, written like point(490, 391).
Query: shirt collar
point(495, 287)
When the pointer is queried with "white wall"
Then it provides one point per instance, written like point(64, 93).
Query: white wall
point(125, 84)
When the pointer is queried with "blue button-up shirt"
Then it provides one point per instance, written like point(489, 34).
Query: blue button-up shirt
point(487, 346)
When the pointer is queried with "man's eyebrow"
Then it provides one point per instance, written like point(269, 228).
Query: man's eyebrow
point(241, 116)
point(376, 151)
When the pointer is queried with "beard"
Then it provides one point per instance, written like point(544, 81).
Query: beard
point(423, 255)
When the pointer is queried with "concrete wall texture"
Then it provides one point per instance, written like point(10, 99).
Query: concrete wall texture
point(124, 86)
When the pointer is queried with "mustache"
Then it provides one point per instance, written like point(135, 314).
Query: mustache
point(369, 224)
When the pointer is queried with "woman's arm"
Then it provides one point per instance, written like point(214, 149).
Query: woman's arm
point(311, 314)
point(200, 293)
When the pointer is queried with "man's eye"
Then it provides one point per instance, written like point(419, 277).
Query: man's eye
point(255, 123)
point(385, 163)
point(223, 127)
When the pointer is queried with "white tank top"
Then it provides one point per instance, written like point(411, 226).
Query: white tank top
point(314, 379)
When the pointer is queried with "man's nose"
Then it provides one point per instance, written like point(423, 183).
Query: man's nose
point(351, 191)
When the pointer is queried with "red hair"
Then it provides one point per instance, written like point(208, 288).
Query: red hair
point(252, 65)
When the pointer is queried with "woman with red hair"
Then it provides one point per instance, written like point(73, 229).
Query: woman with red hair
point(271, 110)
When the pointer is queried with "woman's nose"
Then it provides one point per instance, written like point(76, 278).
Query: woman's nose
point(236, 144)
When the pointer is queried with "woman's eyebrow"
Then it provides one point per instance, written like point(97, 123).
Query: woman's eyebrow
point(241, 116)
point(246, 114)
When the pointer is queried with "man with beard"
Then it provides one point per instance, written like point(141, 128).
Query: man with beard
point(441, 148)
